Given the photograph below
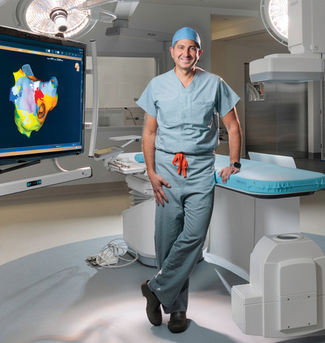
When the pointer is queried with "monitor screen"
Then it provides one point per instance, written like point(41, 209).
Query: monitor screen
point(41, 96)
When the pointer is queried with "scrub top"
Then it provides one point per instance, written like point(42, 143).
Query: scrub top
point(187, 117)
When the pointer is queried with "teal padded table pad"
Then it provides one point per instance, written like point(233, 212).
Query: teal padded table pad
point(269, 180)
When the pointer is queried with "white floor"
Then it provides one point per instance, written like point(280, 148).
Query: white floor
point(49, 217)
point(49, 294)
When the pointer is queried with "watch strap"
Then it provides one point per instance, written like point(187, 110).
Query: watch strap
point(236, 165)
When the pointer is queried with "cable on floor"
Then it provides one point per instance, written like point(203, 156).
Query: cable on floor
point(113, 255)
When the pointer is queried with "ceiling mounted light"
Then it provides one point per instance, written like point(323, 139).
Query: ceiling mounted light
point(274, 15)
point(68, 18)
point(53, 16)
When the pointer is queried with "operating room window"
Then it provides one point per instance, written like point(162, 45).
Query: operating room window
point(121, 82)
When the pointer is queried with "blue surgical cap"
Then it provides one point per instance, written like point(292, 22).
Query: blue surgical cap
point(187, 33)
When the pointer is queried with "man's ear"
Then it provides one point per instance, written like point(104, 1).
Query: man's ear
point(171, 49)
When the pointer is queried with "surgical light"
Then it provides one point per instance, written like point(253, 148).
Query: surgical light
point(52, 16)
point(274, 15)
point(66, 18)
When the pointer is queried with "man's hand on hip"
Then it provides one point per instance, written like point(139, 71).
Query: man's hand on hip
point(157, 182)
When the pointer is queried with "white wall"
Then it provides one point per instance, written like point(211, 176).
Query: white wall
point(121, 80)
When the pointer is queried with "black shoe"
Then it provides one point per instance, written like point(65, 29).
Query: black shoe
point(153, 305)
point(178, 322)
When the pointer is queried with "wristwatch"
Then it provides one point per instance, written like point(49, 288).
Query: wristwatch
point(236, 165)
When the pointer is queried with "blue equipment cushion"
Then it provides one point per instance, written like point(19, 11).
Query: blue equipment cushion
point(139, 158)
point(257, 178)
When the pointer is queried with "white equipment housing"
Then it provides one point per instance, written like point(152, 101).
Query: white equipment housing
point(287, 68)
point(139, 219)
point(306, 43)
point(285, 296)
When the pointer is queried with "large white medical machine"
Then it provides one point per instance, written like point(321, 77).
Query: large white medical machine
point(301, 24)
point(285, 296)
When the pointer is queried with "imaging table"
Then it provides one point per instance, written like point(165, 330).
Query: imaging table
point(263, 199)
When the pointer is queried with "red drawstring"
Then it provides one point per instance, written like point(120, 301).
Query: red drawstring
point(182, 163)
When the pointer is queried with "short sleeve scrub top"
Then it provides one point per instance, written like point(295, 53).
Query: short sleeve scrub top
point(187, 117)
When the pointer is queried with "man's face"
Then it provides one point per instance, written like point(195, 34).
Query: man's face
point(185, 53)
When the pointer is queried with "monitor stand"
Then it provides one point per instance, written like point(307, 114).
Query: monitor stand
point(43, 181)
point(19, 166)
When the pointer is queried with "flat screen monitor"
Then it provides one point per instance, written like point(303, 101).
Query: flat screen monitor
point(41, 96)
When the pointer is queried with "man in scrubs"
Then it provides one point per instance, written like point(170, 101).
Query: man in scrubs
point(180, 134)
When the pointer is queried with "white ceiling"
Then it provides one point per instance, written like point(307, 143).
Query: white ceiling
point(251, 5)
point(227, 13)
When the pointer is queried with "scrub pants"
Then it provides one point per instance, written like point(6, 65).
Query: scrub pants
point(181, 226)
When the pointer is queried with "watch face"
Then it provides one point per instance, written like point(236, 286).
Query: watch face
point(237, 165)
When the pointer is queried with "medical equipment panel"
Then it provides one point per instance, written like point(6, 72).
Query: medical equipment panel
point(285, 296)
